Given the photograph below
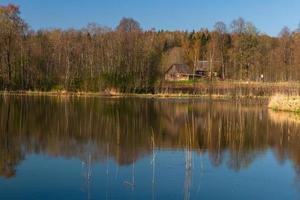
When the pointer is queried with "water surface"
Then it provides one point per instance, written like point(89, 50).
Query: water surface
point(132, 148)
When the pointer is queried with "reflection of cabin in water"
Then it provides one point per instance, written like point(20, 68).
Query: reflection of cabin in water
point(178, 72)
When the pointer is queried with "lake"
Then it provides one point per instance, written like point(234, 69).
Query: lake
point(135, 148)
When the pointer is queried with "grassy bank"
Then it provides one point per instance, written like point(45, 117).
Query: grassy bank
point(285, 103)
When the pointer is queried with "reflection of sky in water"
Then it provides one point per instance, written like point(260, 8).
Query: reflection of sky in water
point(43, 177)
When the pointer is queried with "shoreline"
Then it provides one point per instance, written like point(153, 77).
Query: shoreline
point(216, 90)
point(124, 95)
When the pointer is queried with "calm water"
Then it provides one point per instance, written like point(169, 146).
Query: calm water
point(101, 148)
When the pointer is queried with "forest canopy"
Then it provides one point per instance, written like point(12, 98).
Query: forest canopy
point(134, 60)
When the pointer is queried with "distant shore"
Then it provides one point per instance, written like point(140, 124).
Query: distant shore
point(234, 88)
point(105, 94)
point(216, 89)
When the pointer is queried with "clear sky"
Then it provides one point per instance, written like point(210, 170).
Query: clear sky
point(268, 15)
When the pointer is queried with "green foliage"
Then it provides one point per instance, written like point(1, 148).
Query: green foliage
point(118, 80)
point(57, 88)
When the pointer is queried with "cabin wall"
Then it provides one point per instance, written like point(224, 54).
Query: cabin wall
point(176, 77)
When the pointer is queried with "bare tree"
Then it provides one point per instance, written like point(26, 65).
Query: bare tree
point(129, 25)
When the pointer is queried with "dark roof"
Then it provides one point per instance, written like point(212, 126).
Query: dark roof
point(203, 65)
point(181, 68)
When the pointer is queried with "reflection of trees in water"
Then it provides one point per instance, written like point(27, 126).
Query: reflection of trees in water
point(190, 134)
point(87, 174)
point(10, 147)
point(281, 118)
point(70, 127)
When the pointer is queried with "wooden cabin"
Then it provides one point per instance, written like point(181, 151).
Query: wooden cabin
point(202, 69)
point(178, 72)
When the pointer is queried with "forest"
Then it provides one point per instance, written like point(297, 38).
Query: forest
point(131, 59)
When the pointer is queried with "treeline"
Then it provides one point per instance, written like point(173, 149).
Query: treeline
point(130, 59)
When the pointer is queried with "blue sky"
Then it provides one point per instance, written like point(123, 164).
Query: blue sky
point(268, 15)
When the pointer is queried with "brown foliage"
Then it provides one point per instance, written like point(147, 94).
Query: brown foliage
point(130, 59)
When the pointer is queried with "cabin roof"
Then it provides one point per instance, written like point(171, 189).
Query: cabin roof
point(202, 65)
point(181, 69)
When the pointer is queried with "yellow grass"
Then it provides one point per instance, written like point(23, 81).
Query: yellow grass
point(285, 103)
